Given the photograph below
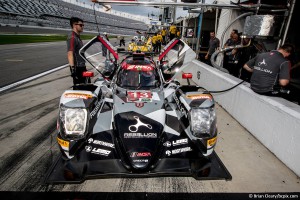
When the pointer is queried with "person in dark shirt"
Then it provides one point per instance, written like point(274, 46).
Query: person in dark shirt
point(214, 44)
point(231, 41)
point(231, 58)
point(74, 44)
point(122, 41)
point(269, 70)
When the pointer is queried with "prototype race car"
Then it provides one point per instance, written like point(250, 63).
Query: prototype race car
point(136, 120)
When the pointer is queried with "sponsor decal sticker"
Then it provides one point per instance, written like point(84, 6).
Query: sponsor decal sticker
point(143, 68)
point(63, 143)
point(140, 135)
point(96, 109)
point(102, 152)
point(180, 142)
point(169, 153)
point(182, 109)
point(167, 144)
point(140, 154)
point(139, 96)
point(102, 143)
point(139, 104)
point(88, 148)
point(140, 160)
point(177, 151)
point(198, 96)
point(211, 142)
point(78, 95)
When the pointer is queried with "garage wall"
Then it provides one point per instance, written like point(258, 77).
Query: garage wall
point(274, 121)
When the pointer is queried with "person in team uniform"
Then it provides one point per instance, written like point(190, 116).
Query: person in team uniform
point(270, 70)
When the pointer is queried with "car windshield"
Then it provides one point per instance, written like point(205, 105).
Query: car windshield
point(138, 79)
point(140, 43)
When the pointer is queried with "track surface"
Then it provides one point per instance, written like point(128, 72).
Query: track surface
point(20, 61)
point(28, 147)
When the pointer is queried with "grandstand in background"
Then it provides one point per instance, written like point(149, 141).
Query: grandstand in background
point(53, 16)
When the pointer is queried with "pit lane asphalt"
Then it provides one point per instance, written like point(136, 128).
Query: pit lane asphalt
point(28, 146)
point(20, 61)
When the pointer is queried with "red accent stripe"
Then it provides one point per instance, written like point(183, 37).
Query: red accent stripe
point(167, 50)
point(108, 47)
point(72, 42)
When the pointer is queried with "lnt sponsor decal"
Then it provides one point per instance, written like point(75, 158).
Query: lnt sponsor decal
point(102, 152)
point(180, 142)
point(176, 142)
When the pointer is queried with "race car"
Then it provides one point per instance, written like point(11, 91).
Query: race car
point(140, 43)
point(137, 120)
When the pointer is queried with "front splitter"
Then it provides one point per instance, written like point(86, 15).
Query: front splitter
point(201, 169)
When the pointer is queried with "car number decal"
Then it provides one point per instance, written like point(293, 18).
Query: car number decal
point(140, 96)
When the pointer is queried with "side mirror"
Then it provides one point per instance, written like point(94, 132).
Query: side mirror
point(187, 75)
point(88, 74)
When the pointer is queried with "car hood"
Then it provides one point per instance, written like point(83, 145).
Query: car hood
point(139, 128)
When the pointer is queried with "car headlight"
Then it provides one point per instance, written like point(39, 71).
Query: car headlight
point(202, 120)
point(74, 120)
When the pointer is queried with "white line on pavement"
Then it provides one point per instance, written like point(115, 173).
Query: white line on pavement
point(31, 78)
point(34, 45)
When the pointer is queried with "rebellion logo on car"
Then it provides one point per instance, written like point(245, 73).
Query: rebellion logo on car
point(182, 109)
point(140, 154)
point(93, 113)
point(135, 128)
point(140, 135)
point(102, 143)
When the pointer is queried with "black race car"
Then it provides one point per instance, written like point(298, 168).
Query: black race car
point(137, 120)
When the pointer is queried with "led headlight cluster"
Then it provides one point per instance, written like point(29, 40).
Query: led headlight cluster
point(74, 120)
point(201, 120)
